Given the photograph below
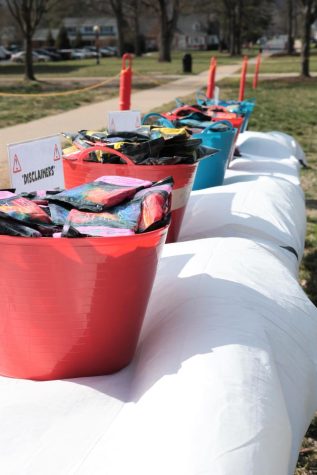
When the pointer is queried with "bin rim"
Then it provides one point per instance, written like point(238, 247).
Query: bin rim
point(128, 160)
point(79, 241)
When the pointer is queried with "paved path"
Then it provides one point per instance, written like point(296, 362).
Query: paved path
point(94, 116)
point(274, 75)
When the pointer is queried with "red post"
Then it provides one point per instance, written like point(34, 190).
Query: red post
point(256, 72)
point(211, 78)
point(243, 78)
point(125, 83)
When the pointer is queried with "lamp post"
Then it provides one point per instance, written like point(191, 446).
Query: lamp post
point(97, 34)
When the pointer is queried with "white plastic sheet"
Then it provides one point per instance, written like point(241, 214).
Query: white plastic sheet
point(273, 144)
point(269, 208)
point(251, 167)
point(274, 154)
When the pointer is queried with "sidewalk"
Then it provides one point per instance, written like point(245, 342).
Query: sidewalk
point(94, 116)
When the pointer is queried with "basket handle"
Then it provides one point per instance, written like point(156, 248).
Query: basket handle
point(178, 102)
point(202, 99)
point(215, 124)
point(165, 121)
point(185, 108)
point(84, 153)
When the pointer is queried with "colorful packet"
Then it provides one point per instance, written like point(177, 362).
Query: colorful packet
point(24, 210)
point(58, 213)
point(6, 194)
point(96, 196)
point(94, 231)
point(10, 227)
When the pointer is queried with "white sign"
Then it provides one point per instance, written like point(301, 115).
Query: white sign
point(119, 121)
point(36, 164)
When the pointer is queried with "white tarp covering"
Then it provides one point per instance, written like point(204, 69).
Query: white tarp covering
point(224, 379)
point(267, 208)
point(273, 144)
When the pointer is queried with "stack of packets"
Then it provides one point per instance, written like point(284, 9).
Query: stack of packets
point(109, 206)
point(147, 145)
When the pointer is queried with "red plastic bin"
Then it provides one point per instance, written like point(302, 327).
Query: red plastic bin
point(73, 307)
point(78, 172)
point(233, 118)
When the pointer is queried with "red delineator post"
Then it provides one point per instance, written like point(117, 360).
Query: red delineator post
point(125, 83)
point(211, 78)
point(256, 72)
point(243, 78)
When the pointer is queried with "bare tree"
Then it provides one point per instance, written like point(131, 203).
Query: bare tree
point(133, 9)
point(28, 14)
point(309, 8)
point(233, 11)
point(136, 22)
point(169, 11)
point(117, 7)
point(290, 22)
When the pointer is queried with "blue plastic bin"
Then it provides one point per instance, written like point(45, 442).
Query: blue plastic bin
point(217, 135)
point(158, 120)
point(211, 170)
point(244, 108)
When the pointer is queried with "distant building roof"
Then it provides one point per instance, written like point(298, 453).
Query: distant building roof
point(41, 34)
point(107, 25)
point(81, 22)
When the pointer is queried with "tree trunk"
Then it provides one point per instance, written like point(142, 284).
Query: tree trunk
point(137, 43)
point(238, 27)
point(165, 45)
point(307, 11)
point(120, 37)
point(167, 29)
point(290, 36)
point(116, 6)
point(232, 29)
point(29, 71)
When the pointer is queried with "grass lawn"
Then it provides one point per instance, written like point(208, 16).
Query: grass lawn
point(147, 64)
point(286, 64)
point(289, 105)
point(76, 74)
point(16, 110)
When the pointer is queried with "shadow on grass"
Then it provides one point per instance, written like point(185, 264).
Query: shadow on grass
point(312, 204)
point(309, 262)
point(51, 68)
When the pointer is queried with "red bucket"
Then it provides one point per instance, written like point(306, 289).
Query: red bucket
point(231, 117)
point(74, 307)
point(78, 172)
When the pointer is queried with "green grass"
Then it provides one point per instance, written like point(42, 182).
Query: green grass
point(286, 64)
point(147, 64)
point(17, 110)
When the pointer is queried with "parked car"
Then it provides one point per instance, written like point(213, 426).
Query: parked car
point(113, 50)
point(106, 52)
point(79, 54)
point(53, 56)
point(4, 53)
point(65, 53)
point(90, 51)
point(20, 57)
